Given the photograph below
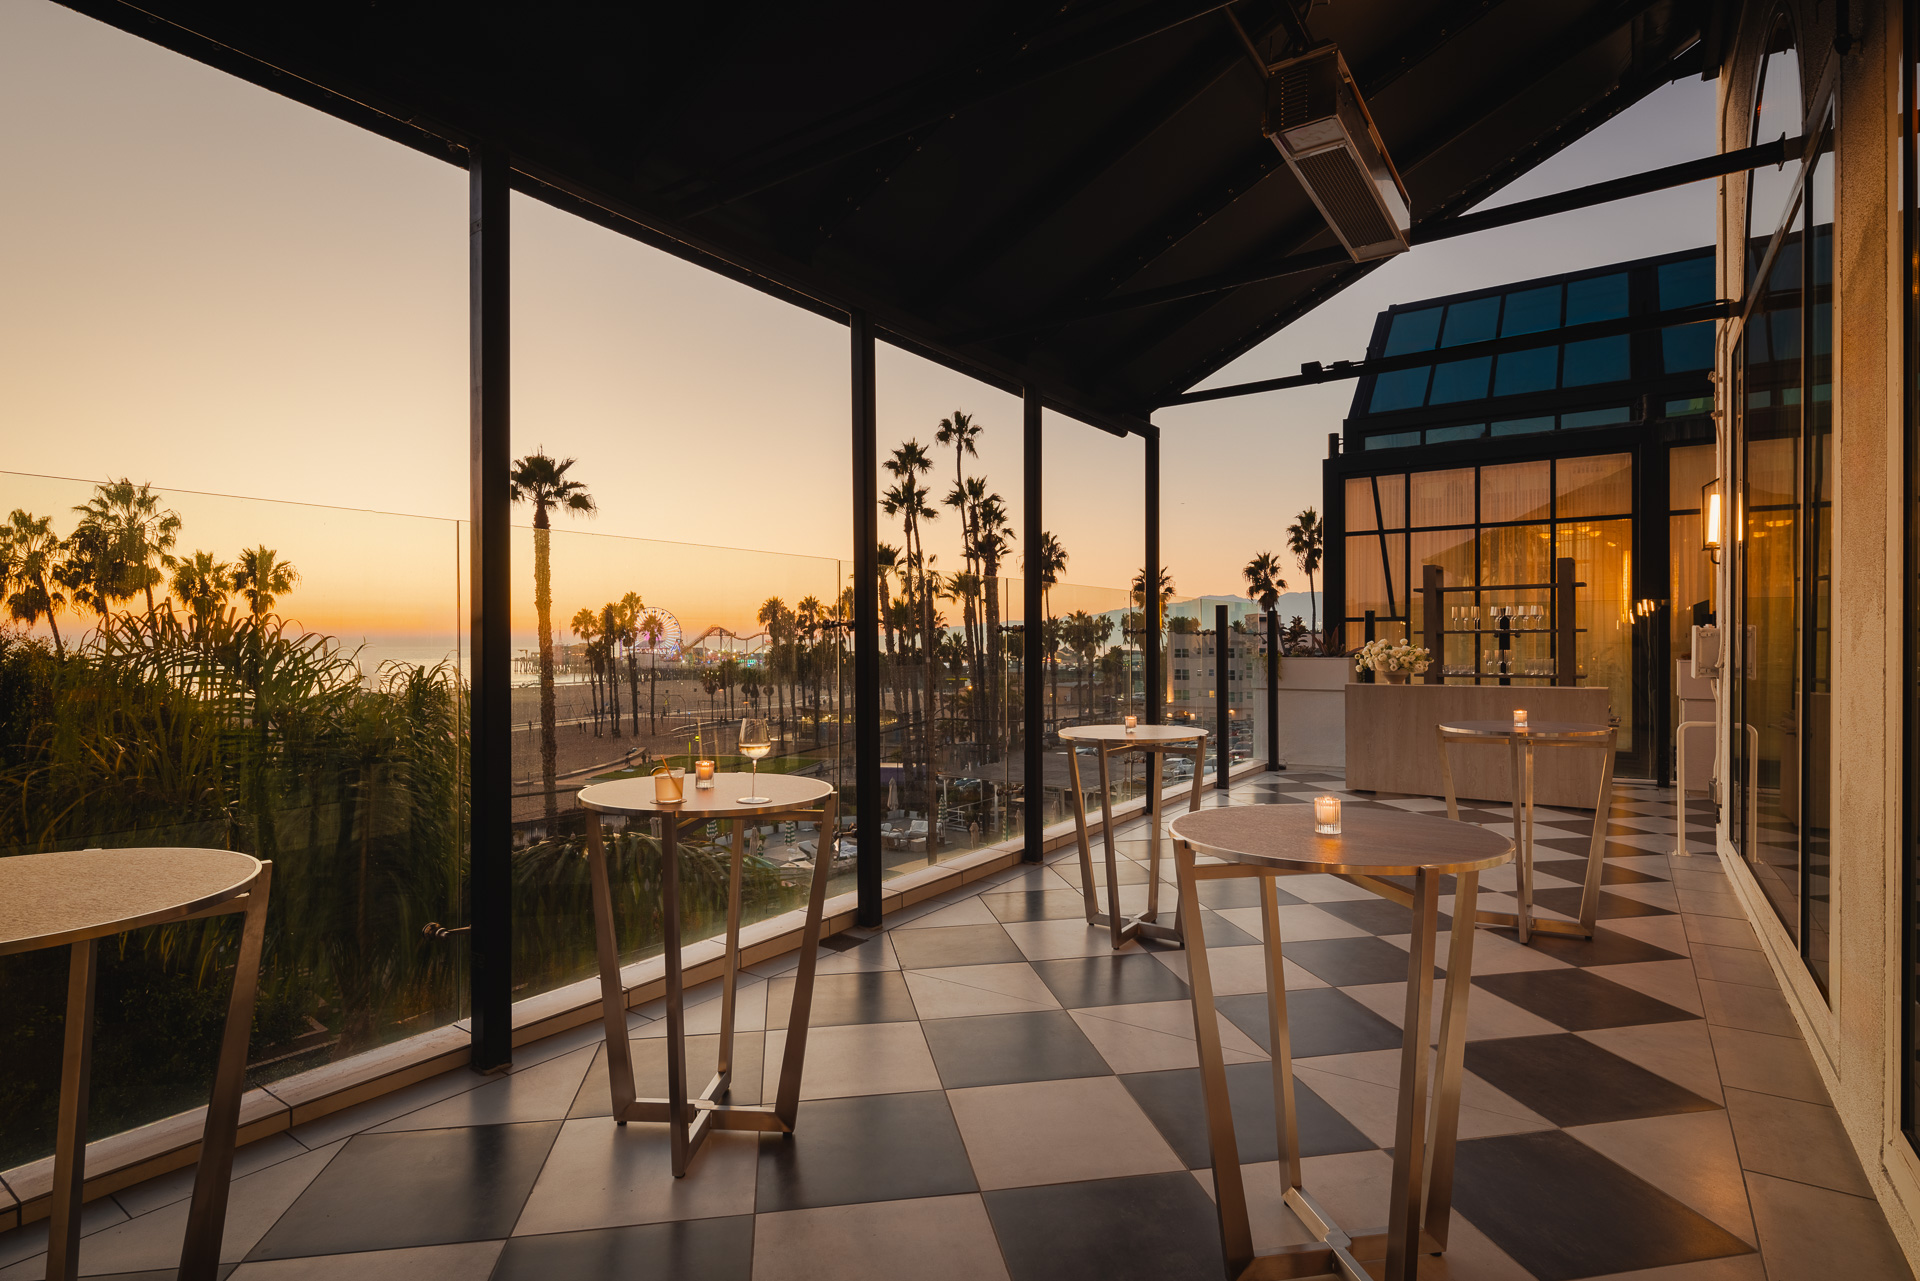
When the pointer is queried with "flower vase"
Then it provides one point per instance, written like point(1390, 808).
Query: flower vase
point(1395, 677)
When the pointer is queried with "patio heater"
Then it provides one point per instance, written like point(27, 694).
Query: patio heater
point(1318, 121)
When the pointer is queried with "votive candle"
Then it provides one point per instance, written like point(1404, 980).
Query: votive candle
point(1131, 723)
point(1519, 718)
point(1326, 815)
point(703, 773)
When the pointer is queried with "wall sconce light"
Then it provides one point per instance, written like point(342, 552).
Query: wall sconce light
point(1710, 519)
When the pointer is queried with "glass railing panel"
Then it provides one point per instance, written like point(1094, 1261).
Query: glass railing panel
point(270, 677)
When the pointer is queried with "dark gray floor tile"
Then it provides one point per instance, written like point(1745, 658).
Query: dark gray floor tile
point(1611, 906)
point(1579, 1000)
point(417, 1187)
point(1572, 1081)
point(1377, 915)
point(1604, 948)
point(1174, 1103)
point(1002, 1049)
point(693, 1250)
point(1561, 1210)
point(1243, 891)
point(1220, 931)
point(1351, 962)
point(874, 1147)
point(1036, 905)
point(862, 996)
point(1081, 981)
point(1152, 1227)
point(940, 945)
point(1321, 1020)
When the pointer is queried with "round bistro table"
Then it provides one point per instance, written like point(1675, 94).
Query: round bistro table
point(1521, 745)
point(690, 1121)
point(75, 899)
point(1271, 841)
point(1108, 741)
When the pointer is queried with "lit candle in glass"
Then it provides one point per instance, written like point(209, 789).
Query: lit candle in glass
point(1326, 815)
point(703, 773)
point(1519, 718)
point(1131, 723)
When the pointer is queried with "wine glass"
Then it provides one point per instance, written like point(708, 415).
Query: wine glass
point(756, 741)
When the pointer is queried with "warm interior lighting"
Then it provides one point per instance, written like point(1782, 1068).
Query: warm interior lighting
point(1326, 815)
point(1519, 718)
point(1710, 519)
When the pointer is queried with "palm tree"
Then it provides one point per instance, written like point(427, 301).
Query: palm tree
point(1053, 563)
point(202, 584)
point(32, 558)
point(262, 577)
point(123, 530)
point(653, 627)
point(907, 499)
point(539, 480)
point(629, 634)
point(807, 617)
point(586, 625)
point(611, 630)
point(1306, 539)
point(773, 616)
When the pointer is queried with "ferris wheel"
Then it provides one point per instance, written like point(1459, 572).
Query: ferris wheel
point(669, 646)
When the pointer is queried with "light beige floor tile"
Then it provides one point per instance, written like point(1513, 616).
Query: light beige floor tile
point(601, 1175)
point(1756, 1009)
point(459, 1262)
point(1789, 1139)
point(1720, 931)
point(1299, 923)
point(1351, 1186)
point(1691, 1156)
point(1382, 1068)
point(1374, 1108)
point(1274, 1224)
point(868, 1058)
point(961, 990)
point(1737, 1267)
point(1669, 981)
point(1487, 1015)
point(1667, 932)
point(364, 1116)
point(1054, 940)
point(1707, 903)
point(1492, 953)
point(650, 1071)
point(1808, 1234)
point(177, 1185)
point(1322, 889)
point(544, 1092)
point(968, 911)
point(1653, 864)
point(874, 954)
point(30, 1242)
point(1764, 1064)
point(1733, 965)
point(1057, 1132)
point(152, 1241)
point(1238, 970)
point(930, 1239)
point(1652, 893)
point(1679, 1051)
point(1157, 1037)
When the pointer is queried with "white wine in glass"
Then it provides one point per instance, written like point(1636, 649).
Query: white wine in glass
point(755, 742)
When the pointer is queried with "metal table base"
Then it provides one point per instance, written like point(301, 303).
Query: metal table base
point(692, 1118)
point(1147, 924)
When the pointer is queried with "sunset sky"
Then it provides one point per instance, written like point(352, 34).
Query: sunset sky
point(214, 289)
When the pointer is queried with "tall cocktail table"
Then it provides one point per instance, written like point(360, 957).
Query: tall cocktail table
point(1522, 742)
point(1108, 741)
point(74, 900)
point(691, 1120)
point(1271, 841)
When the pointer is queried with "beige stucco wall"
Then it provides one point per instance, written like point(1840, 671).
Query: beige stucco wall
point(1854, 1036)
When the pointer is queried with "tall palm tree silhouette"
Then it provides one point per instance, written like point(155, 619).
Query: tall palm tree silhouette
point(261, 577)
point(1306, 539)
point(202, 584)
point(123, 531)
point(31, 557)
point(539, 480)
point(1052, 564)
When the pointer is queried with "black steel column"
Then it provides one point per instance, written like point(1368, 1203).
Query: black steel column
point(490, 717)
point(1222, 655)
point(1152, 623)
point(1273, 691)
point(866, 623)
point(1032, 608)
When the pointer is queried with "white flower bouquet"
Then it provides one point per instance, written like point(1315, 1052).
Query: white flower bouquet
point(1387, 657)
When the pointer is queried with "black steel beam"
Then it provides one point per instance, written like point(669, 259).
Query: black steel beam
point(1032, 651)
point(926, 102)
point(1222, 713)
point(490, 715)
point(1152, 624)
point(869, 865)
point(1314, 372)
point(1273, 691)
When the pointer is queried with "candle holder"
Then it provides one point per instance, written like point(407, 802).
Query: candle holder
point(703, 774)
point(1132, 723)
point(1519, 718)
point(1326, 815)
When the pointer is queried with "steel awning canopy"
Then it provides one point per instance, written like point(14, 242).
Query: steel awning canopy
point(967, 169)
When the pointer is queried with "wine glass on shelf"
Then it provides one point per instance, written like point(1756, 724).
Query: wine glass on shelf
point(756, 741)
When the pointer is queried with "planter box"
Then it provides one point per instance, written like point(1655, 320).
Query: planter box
point(1313, 717)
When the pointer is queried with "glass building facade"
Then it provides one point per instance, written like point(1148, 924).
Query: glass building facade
point(1495, 467)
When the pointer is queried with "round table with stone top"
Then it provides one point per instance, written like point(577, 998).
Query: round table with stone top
point(1267, 842)
point(691, 1120)
point(1522, 741)
point(73, 899)
point(1108, 741)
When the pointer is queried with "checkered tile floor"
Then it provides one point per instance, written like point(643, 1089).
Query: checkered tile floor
point(991, 1092)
